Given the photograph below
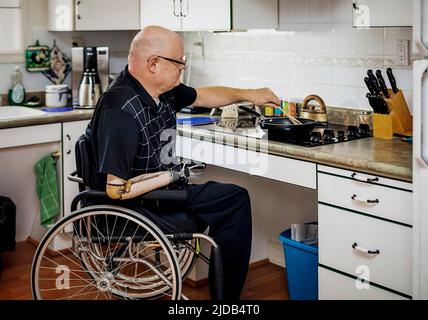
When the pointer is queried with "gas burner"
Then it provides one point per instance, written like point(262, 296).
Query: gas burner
point(330, 134)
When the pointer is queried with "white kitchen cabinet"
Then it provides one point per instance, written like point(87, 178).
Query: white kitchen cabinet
point(382, 13)
point(365, 231)
point(60, 15)
point(186, 15)
point(107, 15)
point(20, 149)
point(206, 15)
point(93, 15)
point(350, 288)
point(71, 131)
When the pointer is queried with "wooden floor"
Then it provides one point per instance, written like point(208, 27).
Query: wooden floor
point(264, 282)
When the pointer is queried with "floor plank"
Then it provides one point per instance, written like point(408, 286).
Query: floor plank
point(264, 282)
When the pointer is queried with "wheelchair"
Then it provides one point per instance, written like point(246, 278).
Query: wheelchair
point(110, 252)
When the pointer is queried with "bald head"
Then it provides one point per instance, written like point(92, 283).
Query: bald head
point(153, 40)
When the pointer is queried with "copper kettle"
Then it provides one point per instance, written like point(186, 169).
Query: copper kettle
point(316, 113)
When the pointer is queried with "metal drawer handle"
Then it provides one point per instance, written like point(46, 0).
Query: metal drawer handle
point(364, 250)
point(355, 177)
point(356, 198)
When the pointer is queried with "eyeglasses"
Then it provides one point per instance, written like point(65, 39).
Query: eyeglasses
point(182, 62)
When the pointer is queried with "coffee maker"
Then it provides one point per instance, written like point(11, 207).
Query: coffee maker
point(90, 75)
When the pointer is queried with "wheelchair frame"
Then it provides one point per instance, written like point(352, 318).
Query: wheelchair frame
point(158, 262)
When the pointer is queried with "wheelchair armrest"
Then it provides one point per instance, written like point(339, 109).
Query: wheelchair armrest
point(73, 177)
point(173, 195)
point(87, 194)
point(196, 168)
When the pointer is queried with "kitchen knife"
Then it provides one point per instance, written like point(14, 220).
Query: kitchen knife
point(383, 106)
point(382, 84)
point(373, 80)
point(369, 85)
point(392, 80)
point(372, 102)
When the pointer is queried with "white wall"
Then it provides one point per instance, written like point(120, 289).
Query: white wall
point(316, 51)
point(36, 25)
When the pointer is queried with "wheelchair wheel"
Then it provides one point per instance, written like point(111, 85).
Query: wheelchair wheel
point(105, 252)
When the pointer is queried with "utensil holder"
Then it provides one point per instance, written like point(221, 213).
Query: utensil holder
point(397, 122)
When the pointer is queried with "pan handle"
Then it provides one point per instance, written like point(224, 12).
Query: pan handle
point(252, 111)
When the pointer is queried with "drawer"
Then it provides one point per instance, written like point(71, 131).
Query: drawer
point(340, 229)
point(282, 169)
point(336, 286)
point(380, 201)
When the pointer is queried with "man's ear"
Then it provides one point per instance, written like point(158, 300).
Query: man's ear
point(152, 64)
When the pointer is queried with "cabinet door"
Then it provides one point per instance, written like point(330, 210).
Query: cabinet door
point(254, 14)
point(71, 131)
point(60, 15)
point(199, 15)
point(107, 15)
point(382, 13)
point(165, 13)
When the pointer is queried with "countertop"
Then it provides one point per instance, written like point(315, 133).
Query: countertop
point(49, 117)
point(389, 158)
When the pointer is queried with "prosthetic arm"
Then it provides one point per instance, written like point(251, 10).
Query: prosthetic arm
point(118, 188)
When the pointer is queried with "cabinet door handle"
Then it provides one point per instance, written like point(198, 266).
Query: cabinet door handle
point(68, 143)
point(371, 180)
point(358, 199)
point(356, 247)
point(173, 9)
point(181, 8)
point(77, 10)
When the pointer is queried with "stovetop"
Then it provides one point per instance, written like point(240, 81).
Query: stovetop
point(323, 134)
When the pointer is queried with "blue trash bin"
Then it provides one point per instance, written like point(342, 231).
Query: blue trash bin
point(301, 262)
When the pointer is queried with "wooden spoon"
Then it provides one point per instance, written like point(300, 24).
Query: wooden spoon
point(292, 119)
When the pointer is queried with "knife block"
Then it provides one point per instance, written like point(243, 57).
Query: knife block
point(398, 121)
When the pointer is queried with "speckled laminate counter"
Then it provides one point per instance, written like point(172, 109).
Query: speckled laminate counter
point(389, 158)
point(49, 117)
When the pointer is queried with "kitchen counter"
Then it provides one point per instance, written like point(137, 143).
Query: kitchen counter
point(49, 117)
point(389, 158)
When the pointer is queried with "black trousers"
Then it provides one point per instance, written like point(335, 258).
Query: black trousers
point(226, 209)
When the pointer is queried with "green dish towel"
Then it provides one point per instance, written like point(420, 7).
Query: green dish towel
point(47, 190)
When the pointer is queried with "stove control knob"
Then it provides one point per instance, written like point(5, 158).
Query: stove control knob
point(341, 135)
point(352, 132)
point(316, 137)
point(364, 130)
point(328, 135)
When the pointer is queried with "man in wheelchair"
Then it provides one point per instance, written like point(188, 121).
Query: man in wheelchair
point(127, 148)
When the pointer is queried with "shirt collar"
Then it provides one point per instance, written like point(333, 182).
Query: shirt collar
point(138, 87)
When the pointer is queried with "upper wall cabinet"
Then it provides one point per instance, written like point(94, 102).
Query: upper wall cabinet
point(382, 13)
point(209, 15)
point(92, 15)
point(186, 15)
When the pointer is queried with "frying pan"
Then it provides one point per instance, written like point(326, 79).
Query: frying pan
point(283, 128)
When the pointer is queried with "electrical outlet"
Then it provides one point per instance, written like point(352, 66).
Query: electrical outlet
point(402, 52)
point(77, 42)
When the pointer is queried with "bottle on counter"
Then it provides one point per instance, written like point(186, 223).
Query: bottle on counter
point(284, 106)
point(268, 111)
point(16, 94)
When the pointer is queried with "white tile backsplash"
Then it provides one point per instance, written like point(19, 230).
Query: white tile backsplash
point(342, 11)
point(321, 11)
point(316, 51)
